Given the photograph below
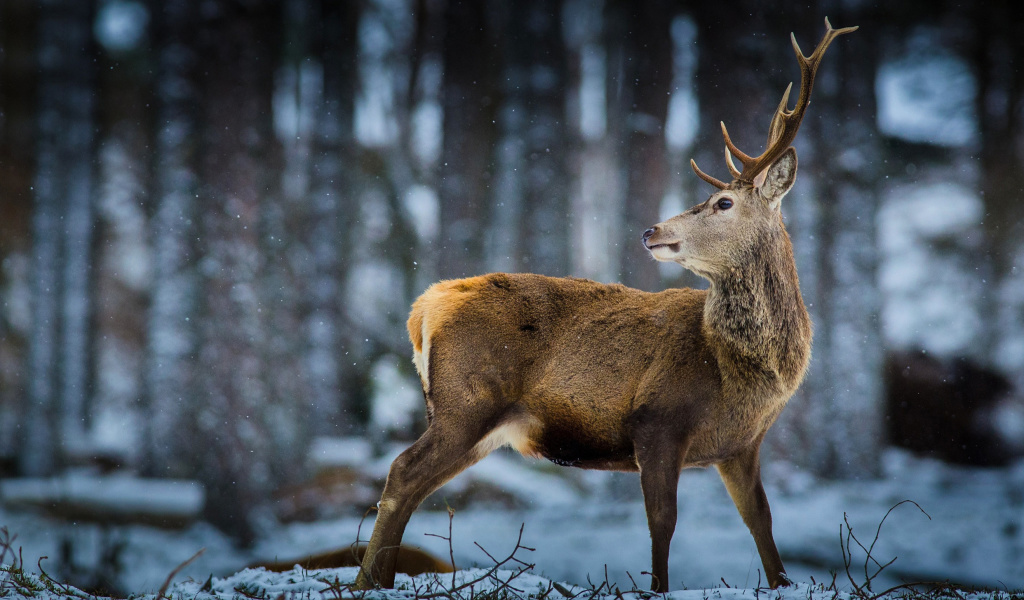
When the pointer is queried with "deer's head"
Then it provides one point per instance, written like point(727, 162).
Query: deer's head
point(720, 234)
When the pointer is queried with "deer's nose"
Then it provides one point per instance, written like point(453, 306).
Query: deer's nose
point(649, 233)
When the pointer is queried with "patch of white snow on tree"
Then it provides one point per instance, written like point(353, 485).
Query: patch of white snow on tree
point(927, 96)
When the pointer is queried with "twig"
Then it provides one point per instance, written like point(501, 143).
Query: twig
point(167, 583)
point(595, 592)
point(451, 549)
point(355, 544)
point(879, 531)
point(6, 544)
point(636, 588)
point(490, 573)
point(913, 587)
point(864, 590)
point(65, 588)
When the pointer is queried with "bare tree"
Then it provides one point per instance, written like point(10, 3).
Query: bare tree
point(470, 104)
point(171, 338)
point(997, 50)
point(332, 209)
point(844, 395)
point(531, 201)
point(62, 227)
point(17, 139)
point(640, 73)
point(237, 416)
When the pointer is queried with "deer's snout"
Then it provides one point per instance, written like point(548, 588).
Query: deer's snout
point(648, 234)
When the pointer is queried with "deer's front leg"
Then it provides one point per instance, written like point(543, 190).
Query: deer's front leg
point(659, 464)
point(742, 477)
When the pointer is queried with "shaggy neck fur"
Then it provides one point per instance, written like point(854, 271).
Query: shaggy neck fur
point(756, 313)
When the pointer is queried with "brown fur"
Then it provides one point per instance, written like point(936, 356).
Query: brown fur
point(411, 561)
point(606, 377)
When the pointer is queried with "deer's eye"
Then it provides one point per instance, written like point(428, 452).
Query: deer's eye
point(723, 204)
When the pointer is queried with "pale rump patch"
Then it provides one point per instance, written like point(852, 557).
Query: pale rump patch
point(516, 433)
point(430, 312)
point(421, 357)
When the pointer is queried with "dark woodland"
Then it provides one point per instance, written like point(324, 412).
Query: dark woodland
point(214, 215)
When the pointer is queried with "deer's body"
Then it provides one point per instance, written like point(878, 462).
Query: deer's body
point(624, 358)
point(607, 377)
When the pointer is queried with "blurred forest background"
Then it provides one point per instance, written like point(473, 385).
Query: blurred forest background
point(214, 214)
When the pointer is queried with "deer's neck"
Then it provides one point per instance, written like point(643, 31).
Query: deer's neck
point(756, 319)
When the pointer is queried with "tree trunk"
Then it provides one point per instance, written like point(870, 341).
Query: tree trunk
point(640, 80)
point(850, 438)
point(532, 225)
point(834, 425)
point(238, 418)
point(998, 49)
point(17, 146)
point(470, 103)
point(172, 344)
point(598, 187)
point(333, 206)
point(62, 229)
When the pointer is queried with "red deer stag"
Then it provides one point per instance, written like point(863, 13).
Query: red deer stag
point(607, 377)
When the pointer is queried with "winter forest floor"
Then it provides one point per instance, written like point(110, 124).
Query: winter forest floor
point(585, 536)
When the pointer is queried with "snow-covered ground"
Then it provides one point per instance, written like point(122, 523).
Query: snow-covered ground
point(582, 525)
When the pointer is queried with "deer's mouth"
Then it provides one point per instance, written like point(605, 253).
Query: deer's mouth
point(674, 246)
point(667, 252)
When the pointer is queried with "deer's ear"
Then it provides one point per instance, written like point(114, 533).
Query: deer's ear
point(779, 178)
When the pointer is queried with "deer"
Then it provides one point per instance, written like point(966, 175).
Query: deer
point(602, 376)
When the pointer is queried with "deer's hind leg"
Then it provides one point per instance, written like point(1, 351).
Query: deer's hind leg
point(451, 444)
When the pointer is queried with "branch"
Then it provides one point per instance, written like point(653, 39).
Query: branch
point(163, 589)
point(490, 572)
point(864, 590)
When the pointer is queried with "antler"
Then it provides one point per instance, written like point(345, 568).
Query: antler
point(785, 122)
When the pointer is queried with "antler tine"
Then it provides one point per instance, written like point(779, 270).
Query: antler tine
point(777, 125)
point(809, 65)
point(785, 122)
point(718, 184)
point(830, 34)
point(732, 166)
point(743, 156)
point(730, 150)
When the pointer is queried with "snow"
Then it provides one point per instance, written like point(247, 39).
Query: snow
point(1009, 353)
point(397, 398)
point(121, 25)
point(325, 452)
point(108, 494)
point(928, 238)
point(584, 525)
point(424, 211)
point(329, 583)
point(683, 115)
point(380, 39)
point(592, 92)
point(927, 99)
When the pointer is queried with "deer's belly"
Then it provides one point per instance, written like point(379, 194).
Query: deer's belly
point(573, 446)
